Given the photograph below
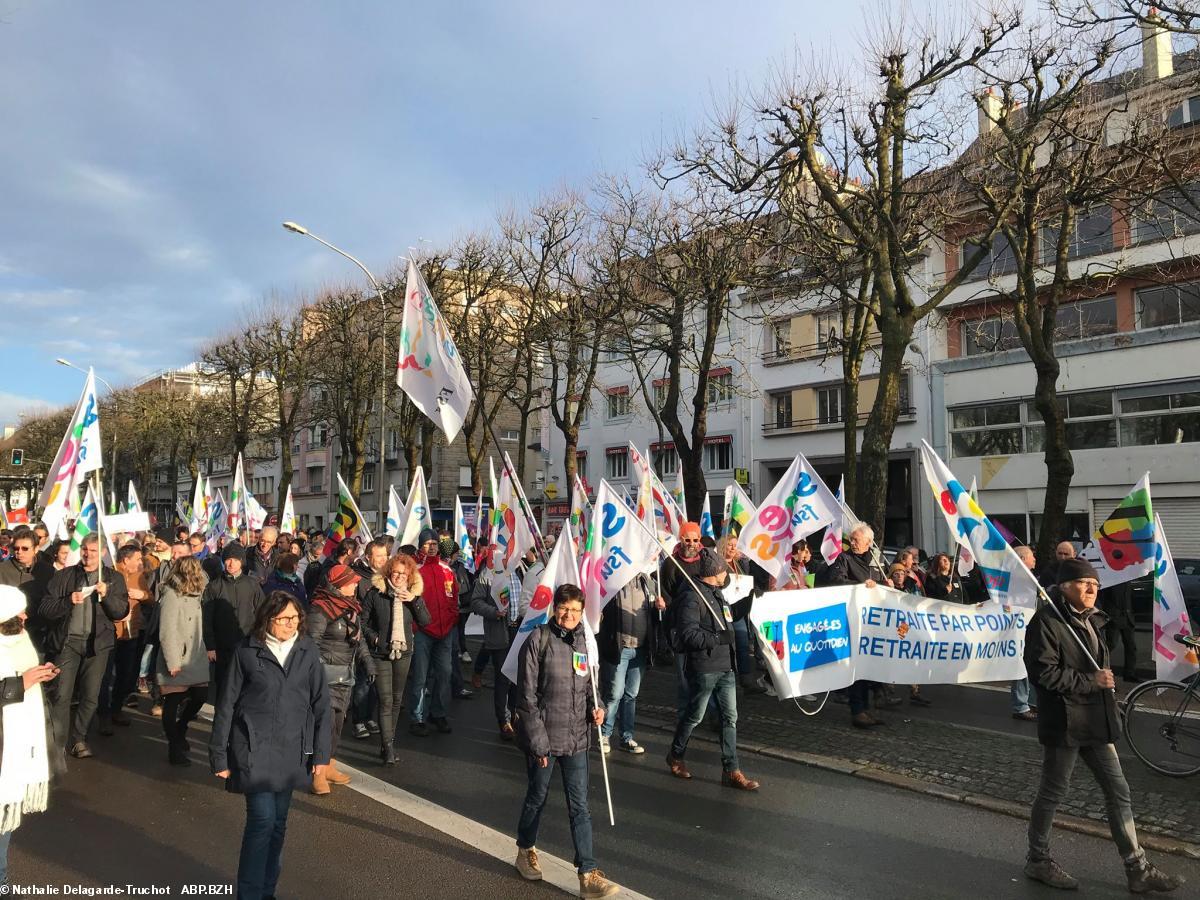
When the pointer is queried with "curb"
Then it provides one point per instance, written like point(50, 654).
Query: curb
point(870, 772)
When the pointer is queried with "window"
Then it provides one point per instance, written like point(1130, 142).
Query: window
point(829, 405)
point(618, 403)
point(720, 388)
point(998, 261)
point(991, 335)
point(827, 329)
point(581, 464)
point(781, 409)
point(1170, 304)
point(316, 478)
point(1170, 214)
point(1086, 318)
point(1093, 234)
point(464, 477)
point(368, 481)
point(1162, 419)
point(1089, 422)
point(393, 443)
point(666, 460)
point(616, 463)
point(510, 435)
point(1186, 113)
point(718, 453)
point(318, 436)
point(660, 394)
point(781, 338)
point(991, 430)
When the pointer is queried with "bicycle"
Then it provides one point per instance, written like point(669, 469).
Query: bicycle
point(1162, 722)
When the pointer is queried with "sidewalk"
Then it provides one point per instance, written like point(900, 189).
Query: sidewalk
point(969, 764)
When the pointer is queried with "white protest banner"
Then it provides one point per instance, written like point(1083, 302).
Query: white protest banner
point(824, 639)
point(127, 523)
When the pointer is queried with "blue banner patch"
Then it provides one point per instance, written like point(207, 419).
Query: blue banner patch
point(818, 637)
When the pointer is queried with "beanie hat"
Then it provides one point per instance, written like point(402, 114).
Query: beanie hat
point(447, 548)
point(234, 550)
point(1075, 569)
point(340, 576)
point(689, 530)
point(426, 535)
point(708, 564)
point(12, 602)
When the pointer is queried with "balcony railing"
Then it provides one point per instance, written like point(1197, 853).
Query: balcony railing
point(780, 425)
point(804, 351)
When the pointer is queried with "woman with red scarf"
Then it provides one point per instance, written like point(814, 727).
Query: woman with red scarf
point(334, 622)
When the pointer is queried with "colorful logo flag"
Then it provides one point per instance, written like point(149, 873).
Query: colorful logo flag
point(1172, 661)
point(706, 523)
point(395, 514)
point(347, 521)
point(831, 544)
point(1008, 580)
point(581, 509)
point(1123, 547)
point(510, 538)
point(799, 505)
point(461, 537)
point(256, 513)
point(429, 369)
point(78, 454)
point(287, 520)
point(617, 549)
point(218, 521)
point(561, 569)
point(237, 499)
point(86, 522)
point(966, 559)
point(417, 514)
point(667, 513)
point(738, 510)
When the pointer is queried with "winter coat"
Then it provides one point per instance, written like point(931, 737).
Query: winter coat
point(377, 619)
point(466, 585)
point(54, 612)
point(1072, 711)
point(181, 639)
point(1117, 603)
point(496, 632)
point(295, 587)
point(853, 568)
point(12, 690)
point(554, 695)
point(706, 640)
point(671, 582)
point(230, 605)
point(441, 597)
point(272, 722)
point(616, 621)
point(340, 644)
point(260, 567)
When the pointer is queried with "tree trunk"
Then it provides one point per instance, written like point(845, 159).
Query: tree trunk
point(850, 434)
point(1060, 467)
point(285, 473)
point(881, 424)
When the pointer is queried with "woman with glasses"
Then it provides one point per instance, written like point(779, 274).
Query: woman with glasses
point(274, 701)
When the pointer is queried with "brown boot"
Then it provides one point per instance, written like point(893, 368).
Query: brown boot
point(736, 779)
point(677, 767)
point(333, 776)
point(320, 784)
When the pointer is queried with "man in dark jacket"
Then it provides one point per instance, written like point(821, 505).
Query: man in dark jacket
point(858, 565)
point(1077, 717)
point(555, 713)
point(261, 559)
point(79, 609)
point(1115, 602)
point(28, 570)
point(209, 561)
point(230, 603)
point(673, 584)
point(433, 644)
point(704, 637)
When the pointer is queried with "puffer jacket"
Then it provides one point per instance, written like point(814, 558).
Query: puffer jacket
point(1072, 711)
point(554, 692)
point(440, 595)
point(707, 640)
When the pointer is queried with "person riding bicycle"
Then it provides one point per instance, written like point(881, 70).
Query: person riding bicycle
point(1077, 717)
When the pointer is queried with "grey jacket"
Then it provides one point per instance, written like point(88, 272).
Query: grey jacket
point(496, 635)
point(181, 640)
point(554, 701)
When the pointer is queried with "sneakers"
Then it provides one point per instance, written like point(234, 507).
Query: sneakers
point(465, 656)
point(465, 694)
point(605, 745)
point(1047, 871)
point(1150, 880)
point(1028, 716)
point(594, 884)
point(631, 746)
point(527, 864)
point(361, 732)
point(736, 779)
point(372, 726)
point(80, 750)
point(678, 768)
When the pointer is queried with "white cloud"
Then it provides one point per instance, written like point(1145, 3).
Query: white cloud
point(13, 406)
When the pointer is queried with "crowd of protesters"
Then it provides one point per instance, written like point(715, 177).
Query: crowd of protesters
point(293, 646)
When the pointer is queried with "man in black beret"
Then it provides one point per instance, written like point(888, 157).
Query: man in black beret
point(1077, 717)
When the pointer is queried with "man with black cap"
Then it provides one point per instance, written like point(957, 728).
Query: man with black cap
point(229, 605)
point(704, 634)
point(433, 644)
point(1077, 718)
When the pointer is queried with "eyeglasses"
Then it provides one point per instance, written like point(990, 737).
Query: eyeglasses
point(286, 620)
point(21, 548)
point(576, 610)
point(1088, 585)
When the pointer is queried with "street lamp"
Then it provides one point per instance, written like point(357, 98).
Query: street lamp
point(379, 464)
point(111, 390)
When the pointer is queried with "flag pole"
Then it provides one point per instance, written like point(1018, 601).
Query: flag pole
point(99, 534)
point(600, 736)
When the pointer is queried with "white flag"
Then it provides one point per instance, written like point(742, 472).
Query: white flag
point(1172, 661)
point(199, 517)
point(287, 519)
point(133, 504)
point(618, 548)
point(561, 569)
point(418, 515)
point(799, 505)
point(78, 454)
point(429, 369)
point(461, 537)
point(395, 515)
point(237, 499)
point(706, 522)
point(831, 544)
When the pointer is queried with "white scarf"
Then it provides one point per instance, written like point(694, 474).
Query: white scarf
point(279, 648)
point(25, 766)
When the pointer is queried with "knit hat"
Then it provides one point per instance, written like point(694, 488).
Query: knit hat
point(340, 576)
point(689, 530)
point(447, 548)
point(12, 602)
point(426, 535)
point(708, 564)
point(1075, 569)
point(234, 550)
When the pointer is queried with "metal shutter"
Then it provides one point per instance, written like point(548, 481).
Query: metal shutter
point(1180, 517)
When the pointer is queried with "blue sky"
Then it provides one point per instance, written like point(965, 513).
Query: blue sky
point(151, 150)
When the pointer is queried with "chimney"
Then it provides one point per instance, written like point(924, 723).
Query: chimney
point(1157, 59)
point(989, 111)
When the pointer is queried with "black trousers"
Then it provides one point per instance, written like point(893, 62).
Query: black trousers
point(179, 709)
point(86, 671)
point(1124, 631)
point(391, 678)
point(121, 678)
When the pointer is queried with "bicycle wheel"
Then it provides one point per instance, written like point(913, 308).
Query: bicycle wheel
point(1162, 724)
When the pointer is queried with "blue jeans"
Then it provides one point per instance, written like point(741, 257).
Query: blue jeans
point(1018, 694)
point(723, 687)
point(262, 844)
point(682, 691)
point(430, 656)
point(620, 685)
point(575, 785)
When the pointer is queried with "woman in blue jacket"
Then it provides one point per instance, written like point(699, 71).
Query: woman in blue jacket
point(271, 733)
